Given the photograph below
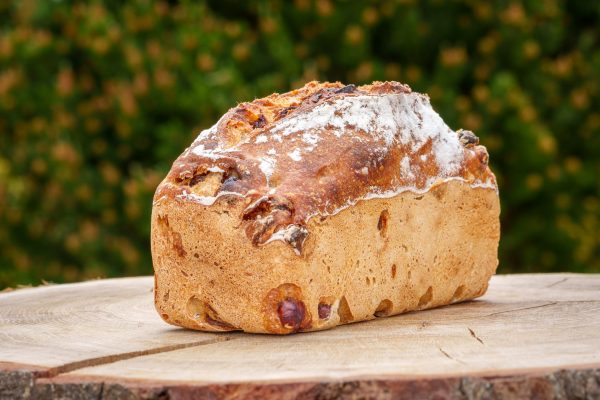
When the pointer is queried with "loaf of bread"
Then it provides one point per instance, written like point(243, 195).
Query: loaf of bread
point(326, 205)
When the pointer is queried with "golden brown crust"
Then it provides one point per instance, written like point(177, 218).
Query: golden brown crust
point(250, 152)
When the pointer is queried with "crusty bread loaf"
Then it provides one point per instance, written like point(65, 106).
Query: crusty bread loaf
point(323, 206)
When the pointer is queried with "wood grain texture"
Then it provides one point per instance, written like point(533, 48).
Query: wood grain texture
point(529, 336)
point(64, 327)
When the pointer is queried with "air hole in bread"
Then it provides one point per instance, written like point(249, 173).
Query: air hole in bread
point(382, 223)
point(394, 271)
point(166, 296)
point(426, 298)
point(195, 308)
point(183, 273)
point(458, 292)
point(344, 311)
point(368, 280)
point(201, 312)
point(165, 316)
point(384, 308)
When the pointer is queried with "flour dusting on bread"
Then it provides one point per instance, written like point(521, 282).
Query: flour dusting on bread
point(325, 147)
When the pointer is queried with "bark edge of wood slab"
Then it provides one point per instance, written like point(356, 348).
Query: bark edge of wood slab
point(558, 384)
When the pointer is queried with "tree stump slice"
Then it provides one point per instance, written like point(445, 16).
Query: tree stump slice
point(530, 336)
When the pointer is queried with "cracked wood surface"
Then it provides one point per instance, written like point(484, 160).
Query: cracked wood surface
point(536, 334)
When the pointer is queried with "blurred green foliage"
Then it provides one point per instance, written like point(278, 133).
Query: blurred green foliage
point(98, 98)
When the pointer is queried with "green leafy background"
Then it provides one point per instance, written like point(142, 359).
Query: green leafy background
point(98, 98)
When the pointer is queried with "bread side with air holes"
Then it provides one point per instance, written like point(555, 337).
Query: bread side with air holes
point(322, 206)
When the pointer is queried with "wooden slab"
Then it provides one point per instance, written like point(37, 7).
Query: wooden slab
point(50, 330)
point(529, 335)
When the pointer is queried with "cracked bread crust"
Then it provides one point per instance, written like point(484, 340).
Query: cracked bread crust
point(326, 205)
point(319, 149)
